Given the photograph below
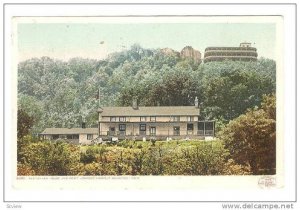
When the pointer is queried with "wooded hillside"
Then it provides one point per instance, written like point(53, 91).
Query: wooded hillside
point(62, 94)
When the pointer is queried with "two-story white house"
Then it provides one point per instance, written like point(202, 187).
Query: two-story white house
point(134, 122)
point(159, 122)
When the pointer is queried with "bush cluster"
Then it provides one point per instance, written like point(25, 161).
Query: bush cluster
point(128, 158)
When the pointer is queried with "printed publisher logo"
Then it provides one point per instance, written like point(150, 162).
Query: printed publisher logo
point(267, 182)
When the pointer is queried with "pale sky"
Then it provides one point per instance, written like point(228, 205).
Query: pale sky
point(96, 40)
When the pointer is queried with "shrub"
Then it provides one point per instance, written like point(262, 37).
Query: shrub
point(22, 143)
point(206, 159)
point(25, 170)
point(231, 168)
point(163, 158)
point(251, 138)
point(92, 153)
point(47, 158)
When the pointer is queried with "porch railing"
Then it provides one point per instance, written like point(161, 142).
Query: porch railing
point(205, 132)
point(160, 133)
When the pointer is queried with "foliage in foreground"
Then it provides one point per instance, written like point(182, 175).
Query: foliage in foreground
point(129, 158)
point(251, 138)
point(46, 158)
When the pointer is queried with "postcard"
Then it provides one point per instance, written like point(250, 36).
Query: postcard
point(120, 103)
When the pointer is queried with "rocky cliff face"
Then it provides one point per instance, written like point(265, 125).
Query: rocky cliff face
point(189, 52)
point(169, 51)
point(186, 52)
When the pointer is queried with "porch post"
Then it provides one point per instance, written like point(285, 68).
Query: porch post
point(133, 129)
point(169, 126)
point(214, 127)
point(99, 129)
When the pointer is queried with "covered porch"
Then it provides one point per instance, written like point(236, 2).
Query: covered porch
point(157, 130)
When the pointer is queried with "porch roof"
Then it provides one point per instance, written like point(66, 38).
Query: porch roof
point(70, 131)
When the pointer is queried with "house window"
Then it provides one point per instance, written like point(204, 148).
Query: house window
point(190, 118)
point(113, 119)
point(176, 118)
point(122, 127)
point(89, 136)
point(142, 127)
point(209, 128)
point(55, 136)
point(201, 128)
point(152, 131)
point(176, 130)
point(152, 118)
point(72, 136)
point(122, 119)
point(143, 119)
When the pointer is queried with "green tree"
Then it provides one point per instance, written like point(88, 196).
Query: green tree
point(230, 92)
point(269, 105)
point(25, 123)
point(34, 108)
point(251, 138)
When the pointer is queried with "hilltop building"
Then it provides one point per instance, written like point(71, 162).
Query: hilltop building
point(242, 53)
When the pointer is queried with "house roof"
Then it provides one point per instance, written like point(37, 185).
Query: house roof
point(70, 131)
point(150, 111)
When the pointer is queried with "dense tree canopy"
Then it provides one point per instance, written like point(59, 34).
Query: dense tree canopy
point(62, 94)
point(231, 92)
point(167, 87)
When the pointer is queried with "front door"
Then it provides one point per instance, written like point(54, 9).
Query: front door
point(112, 131)
point(176, 131)
point(190, 128)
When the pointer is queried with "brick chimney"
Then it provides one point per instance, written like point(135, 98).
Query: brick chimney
point(196, 102)
point(135, 103)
